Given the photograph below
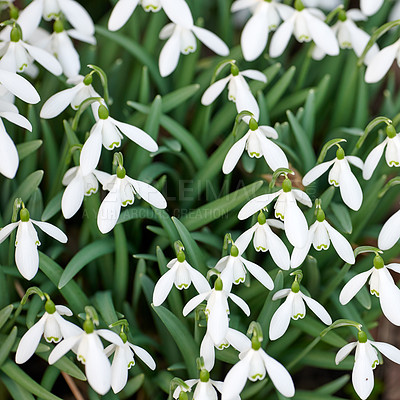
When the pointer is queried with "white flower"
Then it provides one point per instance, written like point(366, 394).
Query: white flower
point(370, 7)
point(123, 360)
point(233, 270)
point(350, 36)
point(52, 326)
point(238, 90)
point(233, 338)
point(392, 154)
point(390, 232)
point(9, 159)
point(107, 132)
point(265, 239)
point(74, 13)
point(382, 61)
point(10, 82)
point(381, 284)
point(324, 4)
point(177, 11)
point(90, 351)
point(266, 17)
point(18, 55)
point(78, 186)
point(182, 39)
point(74, 96)
point(26, 242)
point(205, 387)
point(254, 364)
point(217, 310)
point(182, 274)
point(366, 360)
point(257, 144)
point(320, 235)
point(306, 25)
point(122, 190)
point(294, 307)
point(340, 176)
point(286, 209)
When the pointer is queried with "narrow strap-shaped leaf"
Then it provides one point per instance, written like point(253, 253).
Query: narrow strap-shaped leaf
point(27, 148)
point(66, 365)
point(8, 345)
point(5, 314)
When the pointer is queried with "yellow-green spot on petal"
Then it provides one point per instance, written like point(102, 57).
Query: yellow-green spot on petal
point(23, 66)
point(375, 363)
point(256, 376)
point(52, 339)
point(151, 7)
point(297, 316)
point(131, 364)
point(37, 243)
point(322, 247)
point(223, 346)
point(374, 292)
point(260, 248)
point(126, 202)
point(239, 281)
point(333, 182)
point(304, 38)
point(183, 286)
point(255, 154)
point(114, 144)
point(91, 191)
point(393, 164)
point(81, 359)
point(280, 216)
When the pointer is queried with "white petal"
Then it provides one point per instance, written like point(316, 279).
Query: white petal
point(363, 376)
point(341, 245)
point(390, 232)
point(6, 231)
point(281, 38)
point(273, 154)
point(9, 159)
point(389, 296)
point(17, 119)
point(68, 329)
point(356, 161)
point(350, 189)
point(280, 294)
point(144, 356)
point(372, 160)
point(119, 370)
point(238, 340)
point(299, 254)
point(316, 172)
point(241, 303)
point(121, 13)
point(281, 319)
point(254, 74)
point(63, 347)
point(370, 7)
point(214, 91)
point(380, 64)
point(149, 193)
point(218, 321)
point(163, 287)
point(259, 273)
point(243, 241)
point(394, 267)
point(73, 197)
point(57, 103)
point(169, 55)
point(257, 204)
point(199, 281)
point(110, 336)
point(353, 286)
point(26, 253)
point(234, 154)
point(279, 375)
point(317, 309)
point(302, 197)
point(236, 378)
point(51, 230)
point(193, 303)
point(30, 341)
point(45, 59)
point(211, 40)
point(137, 135)
point(29, 18)
point(296, 227)
point(77, 16)
point(19, 87)
point(91, 150)
point(389, 351)
point(103, 177)
point(109, 212)
point(178, 12)
point(207, 352)
point(344, 352)
point(245, 100)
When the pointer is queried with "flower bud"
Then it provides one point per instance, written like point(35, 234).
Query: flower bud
point(103, 112)
point(287, 185)
point(24, 215)
point(234, 70)
point(340, 153)
point(320, 215)
point(261, 219)
point(218, 285)
point(14, 12)
point(88, 326)
point(183, 395)
point(204, 375)
point(391, 131)
point(123, 336)
point(378, 262)
point(295, 287)
point(362, 337)
point(298, 5)
point(253, 124)
point(234, 251)
point(181, 256)
point(15, 35)
point(88, 79)
point(342, 15)
point(255, 343)
point(121, 172)
point(50, 307)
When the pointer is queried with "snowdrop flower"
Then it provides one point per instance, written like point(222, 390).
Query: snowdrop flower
point(74, 96)
point(350, 36)
point(73, 12)
point(306, 25)
point(10, 82)
point(340, 176)
point(254, 364)
point(320, 235)
point(9, 159)
point(18, 55)
point(370, 7)
point(182, 39)
point(90, 351)
point(217, 309)
point(266, 17)
point(381, 284)
point(392, 154)
point(294, 307)
point(205, 387)
point(181, 274)
point(122, 190)
point(78, 186)
point(106, 132)
point(233, 270)
point(265, 239)
point(390, 232)
point(238, 90)
point(382, 61)
point(123, 361)
point(257, 144)
point(324, 4)
point(177, 11)
point(286, 209)
point(26, 242)
point(52, 326)
point(366, 360)
point(233, 338)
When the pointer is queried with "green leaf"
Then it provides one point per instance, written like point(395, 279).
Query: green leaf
point(25, 381)
point(217, 208)
point(132, 386)
point(174, 99)
point(66, 365)
point(89, 253)
point(326, 147)
point(182, 337)
point(16, 391)
point(5, 314)
point(121, 268)
point(53, 207)
point(342, 214)
point(8, 345)
point(167, 224)
point(277, 91)
point(27, 148)
point(334, 386)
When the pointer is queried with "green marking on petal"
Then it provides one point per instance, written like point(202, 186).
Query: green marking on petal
point(239, 281)
point(297, 316)
point(183, 286)
point(374, 292)
point(23, 66)
point(131, 364)
point(280, 216)
point(256, 376)
point(223, 346)
point(114, 144)
point(52, 339)
point(255, 154)
point(151, 7)
point(374, 364)
point(91, 191)
point(393, 164)
point(333, 182)
point(81, 359)
point(322, 247)
point(260, 248)
point(126, 202)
